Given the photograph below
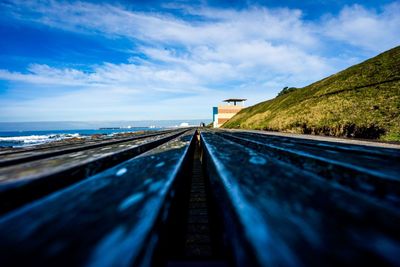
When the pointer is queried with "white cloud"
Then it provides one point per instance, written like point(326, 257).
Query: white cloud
point(367, 29)
point(249, 53)
point(215, 27)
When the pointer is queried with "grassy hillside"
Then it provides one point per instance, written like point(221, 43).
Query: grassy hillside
point(362, 101)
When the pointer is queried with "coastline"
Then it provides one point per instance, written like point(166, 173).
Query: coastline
point(21, 139)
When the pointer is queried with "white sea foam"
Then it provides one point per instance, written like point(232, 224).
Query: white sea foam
point(36, 139)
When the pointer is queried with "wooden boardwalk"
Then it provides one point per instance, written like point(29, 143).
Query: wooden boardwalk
point(200, 197)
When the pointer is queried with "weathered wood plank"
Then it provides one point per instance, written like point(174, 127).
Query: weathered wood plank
point(356, 150)
point(371, 174)
point(110, 219)
point(369, 145)
point(35, 153)
point(276, 214)
point(22, 183)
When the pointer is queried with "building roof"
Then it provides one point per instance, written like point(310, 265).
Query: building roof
point(234, 100)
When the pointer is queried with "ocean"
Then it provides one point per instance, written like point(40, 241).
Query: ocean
point(21, 134)
point(29, 138)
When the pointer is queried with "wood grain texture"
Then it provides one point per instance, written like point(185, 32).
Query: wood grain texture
point(278, 214)
point(106, 220)
point(25, 182)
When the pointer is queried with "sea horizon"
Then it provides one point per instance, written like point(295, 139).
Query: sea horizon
point(22, 134)
point(91, 125)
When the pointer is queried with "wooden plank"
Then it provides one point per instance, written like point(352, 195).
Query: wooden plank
point(345, 143)
point(361, 147)
point(22, 183)
point(380, 160)
point(91, 139)
point(30, 154)
point(374, 174)
point(276, 214)
point(110, 219)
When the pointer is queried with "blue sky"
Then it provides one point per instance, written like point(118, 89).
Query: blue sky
point(141, 60)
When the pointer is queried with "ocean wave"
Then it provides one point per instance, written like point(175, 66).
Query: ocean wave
point(35, 139)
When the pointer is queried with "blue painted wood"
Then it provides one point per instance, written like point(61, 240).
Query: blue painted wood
point(35, 153)
point(22, 183)
point(281, 201)
point(276, 214)
point(110, 219)
point(348, 147)
point(357, 168)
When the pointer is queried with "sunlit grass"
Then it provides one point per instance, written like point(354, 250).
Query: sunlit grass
point(362, 101)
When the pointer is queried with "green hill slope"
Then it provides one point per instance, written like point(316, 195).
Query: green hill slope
point(362, 101)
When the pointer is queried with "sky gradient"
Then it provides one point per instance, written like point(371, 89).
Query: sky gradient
point(152, 60)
